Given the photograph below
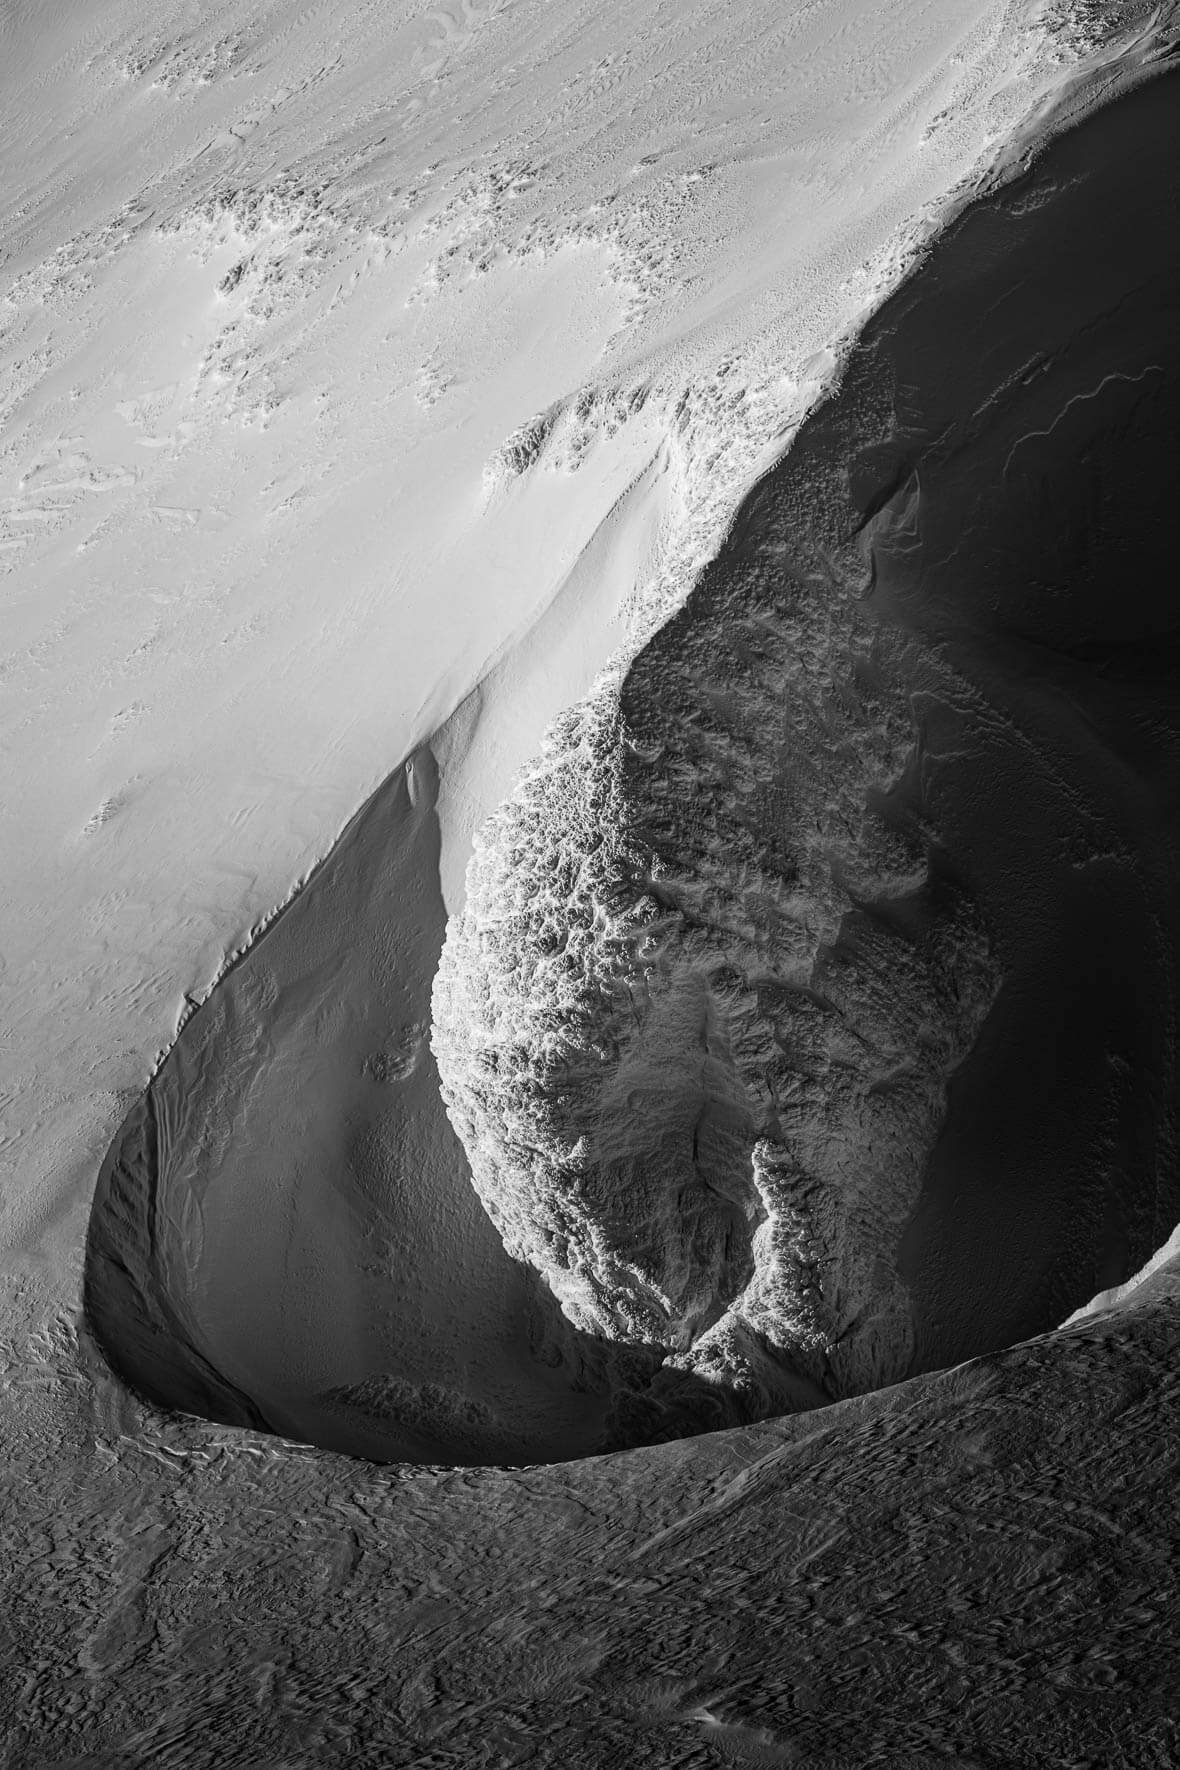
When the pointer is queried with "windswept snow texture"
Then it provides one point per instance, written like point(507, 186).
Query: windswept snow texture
point(813, 1013)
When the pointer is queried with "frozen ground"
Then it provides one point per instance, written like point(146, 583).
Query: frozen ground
point(370, 384)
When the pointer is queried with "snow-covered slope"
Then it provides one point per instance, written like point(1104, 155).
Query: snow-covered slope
point(280, 291)
point(371, 377)
point(729, 942)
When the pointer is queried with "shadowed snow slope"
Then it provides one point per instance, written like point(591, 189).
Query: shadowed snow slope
point(811, 1020)
point(288, 1203)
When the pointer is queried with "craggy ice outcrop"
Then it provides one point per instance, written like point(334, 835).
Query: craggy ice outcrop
point(695, 1024)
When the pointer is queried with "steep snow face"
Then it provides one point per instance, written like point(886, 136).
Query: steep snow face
point(711, 1026)
point(695, 1025)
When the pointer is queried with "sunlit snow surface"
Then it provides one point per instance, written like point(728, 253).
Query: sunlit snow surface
point(357, 362)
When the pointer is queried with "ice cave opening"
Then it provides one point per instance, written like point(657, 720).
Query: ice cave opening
point(812, 1019)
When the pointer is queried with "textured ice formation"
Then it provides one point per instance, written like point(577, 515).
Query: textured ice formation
point(695, 1025)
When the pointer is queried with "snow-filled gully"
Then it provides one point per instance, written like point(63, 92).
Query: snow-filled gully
point(812, 1018)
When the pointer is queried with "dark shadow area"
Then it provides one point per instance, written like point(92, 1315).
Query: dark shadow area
point(284, 1234)
point(1028, 543)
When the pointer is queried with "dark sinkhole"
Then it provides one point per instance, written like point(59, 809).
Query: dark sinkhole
point(284, 1234)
